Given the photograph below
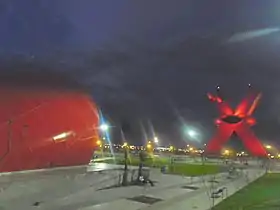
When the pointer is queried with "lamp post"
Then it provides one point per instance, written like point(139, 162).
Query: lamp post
point(125, 174)
point(100, 145)
point(268, 146)
point(104, 127)
point(125, 148)
point(156, 140)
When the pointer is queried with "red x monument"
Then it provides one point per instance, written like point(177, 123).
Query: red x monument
point(236, 121)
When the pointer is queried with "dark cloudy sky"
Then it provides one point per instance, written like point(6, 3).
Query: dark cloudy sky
point(153, 61)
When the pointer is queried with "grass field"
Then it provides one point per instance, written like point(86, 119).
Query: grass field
point(263, 194)
point(177, 168)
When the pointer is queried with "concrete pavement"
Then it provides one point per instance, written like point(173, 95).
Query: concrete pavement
point(73, 190)
point(51, 191)
point(195, 201)
point(164, 191)
point(195, 195)
point(108, 198)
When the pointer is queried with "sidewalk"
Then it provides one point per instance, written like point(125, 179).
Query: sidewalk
point(81, 192)
point(89, 196)
point(160, 194)
point(179, 198)
point(195, 201)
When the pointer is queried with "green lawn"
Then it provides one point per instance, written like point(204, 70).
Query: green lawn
point(177, 168)
point(193, 169)
point(263, 194)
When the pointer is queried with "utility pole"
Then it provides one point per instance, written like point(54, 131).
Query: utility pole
point(125, 174)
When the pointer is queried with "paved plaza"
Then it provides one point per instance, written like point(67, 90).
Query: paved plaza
point(77, 189)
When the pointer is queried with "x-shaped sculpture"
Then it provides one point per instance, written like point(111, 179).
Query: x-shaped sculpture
point(236, 121)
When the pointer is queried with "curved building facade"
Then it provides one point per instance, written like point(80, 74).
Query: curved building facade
point(44, 129)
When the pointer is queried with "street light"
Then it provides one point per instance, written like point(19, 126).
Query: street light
point(268, 146)
point(156, 139)
point(149, 145)
point(150, 148)
point(192, 133)
point(226, 152)
point(104, 127)
point(125, 144)
point(99, 143)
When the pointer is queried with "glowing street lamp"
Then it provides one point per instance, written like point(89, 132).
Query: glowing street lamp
point(149, 148)
point(226, 152)
point(104, 127)
point(268, 146)
point(125, 144)
point(156, 140)
point(192, 133)
point(99, 143)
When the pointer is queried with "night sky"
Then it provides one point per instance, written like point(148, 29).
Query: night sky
point(152, 62)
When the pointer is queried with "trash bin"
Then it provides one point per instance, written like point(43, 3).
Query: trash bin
point(164, 169)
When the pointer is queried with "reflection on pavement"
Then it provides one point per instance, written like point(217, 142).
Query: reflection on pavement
point(96, 167)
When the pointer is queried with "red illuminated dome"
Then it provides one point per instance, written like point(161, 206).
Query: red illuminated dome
point(41, 128)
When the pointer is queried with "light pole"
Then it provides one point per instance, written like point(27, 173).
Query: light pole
point(268, 146)
point(104, 127)
point(156, 140)
point(125, 174)
point(192, 133)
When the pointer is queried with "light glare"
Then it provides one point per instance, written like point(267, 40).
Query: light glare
point(104, 127)
point(192, 133)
